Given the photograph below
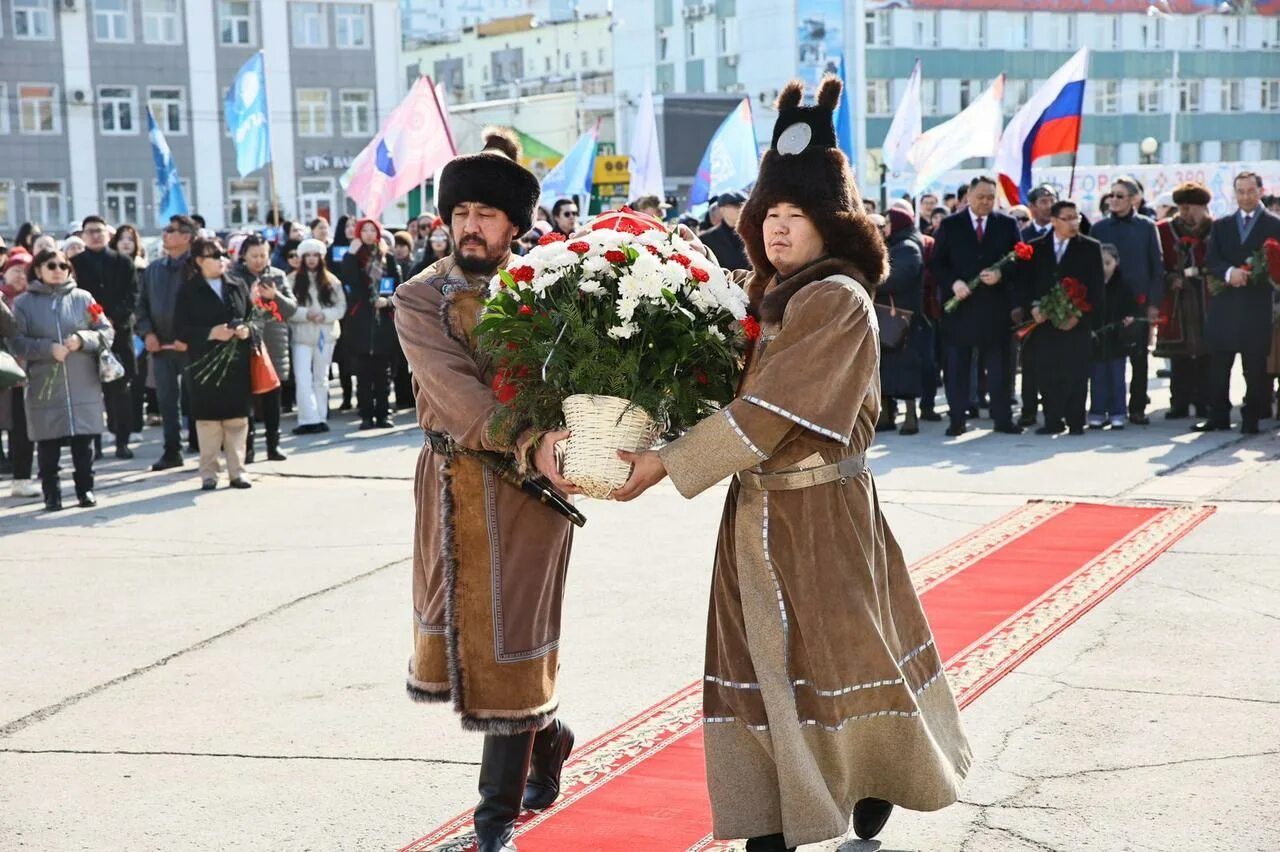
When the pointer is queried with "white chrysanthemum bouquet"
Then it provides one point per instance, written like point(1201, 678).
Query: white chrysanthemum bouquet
point(624, 334)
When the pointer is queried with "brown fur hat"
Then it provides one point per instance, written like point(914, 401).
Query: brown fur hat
point(493, 177)
point(1192, 192)
point(811, 172)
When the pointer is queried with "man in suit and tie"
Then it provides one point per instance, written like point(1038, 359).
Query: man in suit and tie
point(968, 244)
point(1239, 320)
point(1041, 201)
point(1063, 351)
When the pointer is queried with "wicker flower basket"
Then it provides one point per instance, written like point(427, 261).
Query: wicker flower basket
point(602, 425)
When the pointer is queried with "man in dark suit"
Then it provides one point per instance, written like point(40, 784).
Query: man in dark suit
point(968, 244)
point(723, 239)
point(1041, 201)
point(1239, 320)
point(1062, 352)
point(112, 280)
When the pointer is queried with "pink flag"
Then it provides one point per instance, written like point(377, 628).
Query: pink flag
point(412, 146)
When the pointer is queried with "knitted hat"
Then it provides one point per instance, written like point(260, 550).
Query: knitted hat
point(312, 246)
point(18, 256)
point(403, 238)
point(1192, 192)
point(493, 177)
point(804, 167)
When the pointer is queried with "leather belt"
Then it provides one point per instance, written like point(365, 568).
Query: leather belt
point(842, 471)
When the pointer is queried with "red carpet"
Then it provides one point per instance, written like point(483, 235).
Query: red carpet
point(993, 598)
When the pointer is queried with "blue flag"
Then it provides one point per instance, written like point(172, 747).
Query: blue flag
point(246, 112)
point(572, 176)
point(844, 115)
point(171, 200)
point(732, 160)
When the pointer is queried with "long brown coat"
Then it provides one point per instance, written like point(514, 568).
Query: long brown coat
point(488, 562)
point(823, 685)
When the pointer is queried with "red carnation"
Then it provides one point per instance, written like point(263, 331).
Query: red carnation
point(1142, 298)
point(525, 310)
point(1024, 251)
point(751, 328)
point(700, 377)
point(512, 347)
point(553, 237)
point(95, 312)
point(700, 275)
point(1271, 251)
point(579, 247)
point(682, 260)
point(1190, 241)
point(653, 251)
point(522, 273)
point(615, 256)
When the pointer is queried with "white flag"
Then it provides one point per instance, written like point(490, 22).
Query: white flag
point(646, 162)
point(907, 126)
point(973, 133)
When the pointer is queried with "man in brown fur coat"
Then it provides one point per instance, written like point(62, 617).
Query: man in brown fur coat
point(489, 562)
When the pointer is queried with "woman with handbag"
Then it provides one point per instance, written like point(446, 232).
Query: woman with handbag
point(212, 317)
point(898, 300)
point(268, 284)
point(13, 409)
point(62, 333)
point(321, 303)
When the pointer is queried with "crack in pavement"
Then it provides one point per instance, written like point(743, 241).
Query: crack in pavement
point(1107, 770)
point(233, 754)
point(44, 713)
point(1085, 688)
point(1213, 600)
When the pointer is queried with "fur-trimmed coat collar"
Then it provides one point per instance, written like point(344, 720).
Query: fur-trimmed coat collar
point(769, 295)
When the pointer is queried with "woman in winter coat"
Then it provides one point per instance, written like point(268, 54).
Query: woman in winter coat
point(213, 311)
point(370, 276)
point(13, 408)
point(268, 285)
point(128, 243)
point(321, 303)
point(900, 368)
point(1113, 342)
point(60, 331)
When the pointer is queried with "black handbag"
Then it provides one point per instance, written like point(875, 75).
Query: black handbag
point(894, 324)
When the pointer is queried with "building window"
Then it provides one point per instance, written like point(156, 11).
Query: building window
point(977, 25)
point(313, 112)
point(1198, 35)
point(121, 198)
point(162, 21)
point(1149, 95)
point(44, 202)
point(1020, 31)
point(690, 42)
point(925, 29)
point(1270, 149)
point(32, 19)
point(1189, 152)
point(1117, 30)
point(168, 105)
point(244, 201)
point(1270, 96)
point(38, 109)
point(1232, 96)
point(969, 92)
point(1233, 32)
point(1151, 33)
point(235, 22)
point(1230, 152)
point(880, 28)
point(929, 100)
point(1272, 38)
point(547, 64)
point(1106, 97)
point(309, 28)
point(116, 108)
point(600, 56)
point(112, 21)
point(6, 204)
point(878, 97)
point(1016, 94)
point(4, 107)
point(315, 199)
point(1190, 95)
point(356, 107)
point(1106, 155)
point(664, 45)
point(722, 38)
point(351, 25)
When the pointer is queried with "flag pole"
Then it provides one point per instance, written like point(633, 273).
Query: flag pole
point(275, 196)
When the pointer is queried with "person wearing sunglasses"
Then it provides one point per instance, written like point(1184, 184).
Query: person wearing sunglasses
point(564, 216)
point(213, 311)
point(60, 331)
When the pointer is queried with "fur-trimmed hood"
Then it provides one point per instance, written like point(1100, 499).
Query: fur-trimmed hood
point(769, 305)
point(816, 178)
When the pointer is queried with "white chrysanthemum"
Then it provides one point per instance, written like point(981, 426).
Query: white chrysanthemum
point(716, 333)
point(624, 331)
point(590, 285)
point(627, 308)
point(545, 280)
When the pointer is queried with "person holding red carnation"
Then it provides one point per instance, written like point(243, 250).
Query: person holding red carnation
point(1063, 352)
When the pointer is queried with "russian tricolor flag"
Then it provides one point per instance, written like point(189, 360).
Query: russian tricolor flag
point(1048, 124)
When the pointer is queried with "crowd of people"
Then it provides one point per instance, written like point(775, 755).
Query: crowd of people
point(113, 340)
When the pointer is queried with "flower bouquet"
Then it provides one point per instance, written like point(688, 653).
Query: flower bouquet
point(624, 334)
point(1263, 268)
point(1067, 301)
point(1021, 252)
point(95, 312)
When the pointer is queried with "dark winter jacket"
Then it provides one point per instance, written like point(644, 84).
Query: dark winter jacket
point(1141, 259)
point(727, 246)
point(275, 333)
point(1239, 317)
point(1116, 303)
point(368, 329)
point(198, 310)
point(158, 297)
point(112, 279)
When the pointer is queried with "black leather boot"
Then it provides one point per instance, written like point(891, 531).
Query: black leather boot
point(551, 748)
point(504, 768)
point(52, 489)
point(869, 817)
point(768, 843)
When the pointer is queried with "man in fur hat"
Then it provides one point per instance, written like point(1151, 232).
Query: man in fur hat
point(1184, 241)
point(489, 562)
point(824, 694)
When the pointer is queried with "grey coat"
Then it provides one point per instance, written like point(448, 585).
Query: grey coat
point(8, 327)
point(274, 334)
point(62, 402)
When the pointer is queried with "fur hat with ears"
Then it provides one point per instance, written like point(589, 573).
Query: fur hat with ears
point(804, 167)
point(493, 177)
point(1191, 193)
